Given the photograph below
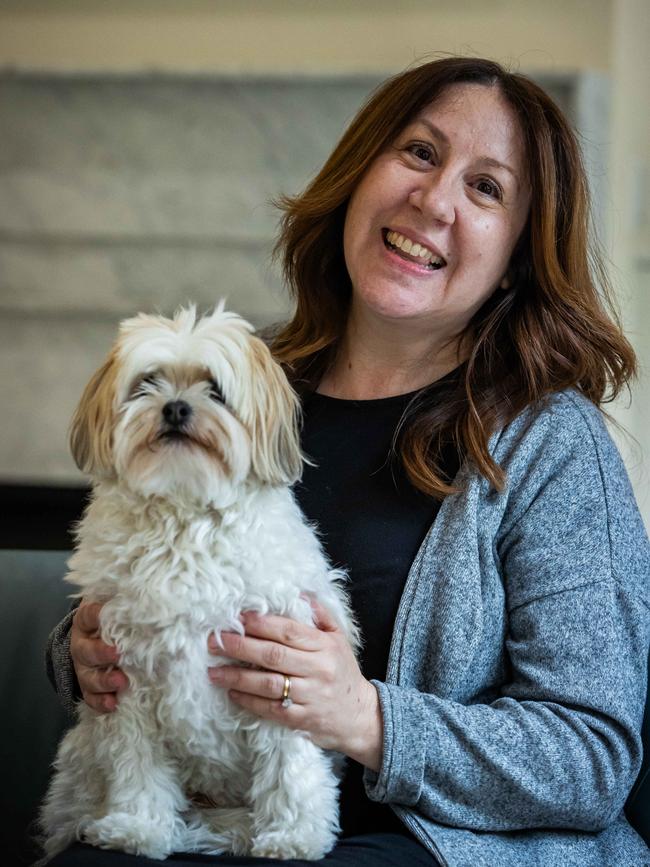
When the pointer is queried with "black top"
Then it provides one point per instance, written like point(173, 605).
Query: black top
point(372, 522)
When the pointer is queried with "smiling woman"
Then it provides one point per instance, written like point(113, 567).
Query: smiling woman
point(490, 174)
point(454, 185)
point(452, 344)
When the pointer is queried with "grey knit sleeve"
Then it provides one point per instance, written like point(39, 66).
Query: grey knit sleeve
point(557, 744)
point(58, 662)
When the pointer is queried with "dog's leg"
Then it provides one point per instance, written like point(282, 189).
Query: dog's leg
point(75, 792)
point(143, 800)
point(294, 796)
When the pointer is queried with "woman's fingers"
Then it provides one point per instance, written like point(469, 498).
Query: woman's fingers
point(262, 653)
point(92, 652)
point(86, 617)
point(94, 660)
point(103, 680)
point(99, 686)
point(274, 627)
point(86, 646)
point(275, 643)
point(266, 684)
point(323, 618)
point(104, 702)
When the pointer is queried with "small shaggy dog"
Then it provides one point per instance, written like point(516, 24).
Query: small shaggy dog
point(189, 432)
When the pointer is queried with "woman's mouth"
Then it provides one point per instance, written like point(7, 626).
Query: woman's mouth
point(412, 251)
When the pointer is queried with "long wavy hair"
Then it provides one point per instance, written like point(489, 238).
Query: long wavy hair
point(554, 327)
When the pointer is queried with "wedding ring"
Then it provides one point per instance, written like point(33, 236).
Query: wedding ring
point(286, 700)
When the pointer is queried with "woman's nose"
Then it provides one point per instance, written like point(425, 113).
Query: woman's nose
point(434, 197)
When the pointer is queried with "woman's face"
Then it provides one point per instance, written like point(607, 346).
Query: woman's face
point(455, 183)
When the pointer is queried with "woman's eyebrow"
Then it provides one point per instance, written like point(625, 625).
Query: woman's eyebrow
point(489, 161)
point(436, 132)
point(433, 129)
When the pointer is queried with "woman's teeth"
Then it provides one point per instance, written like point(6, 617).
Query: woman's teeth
point(414, 251)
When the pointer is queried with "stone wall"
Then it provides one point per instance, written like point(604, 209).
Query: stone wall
point(120, 194)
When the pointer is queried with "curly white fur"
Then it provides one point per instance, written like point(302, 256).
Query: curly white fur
point(183, 533)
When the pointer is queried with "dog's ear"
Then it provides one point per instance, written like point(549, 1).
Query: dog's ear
point(91, 429)
point(275, 415)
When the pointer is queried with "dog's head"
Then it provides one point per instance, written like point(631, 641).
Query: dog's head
point(188, 407)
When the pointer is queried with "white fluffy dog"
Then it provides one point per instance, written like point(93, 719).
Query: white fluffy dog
point(189, 431)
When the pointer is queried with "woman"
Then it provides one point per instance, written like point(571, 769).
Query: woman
point(452, 350)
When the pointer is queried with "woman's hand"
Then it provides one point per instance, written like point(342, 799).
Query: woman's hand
point(94, 661)
point(331, 699)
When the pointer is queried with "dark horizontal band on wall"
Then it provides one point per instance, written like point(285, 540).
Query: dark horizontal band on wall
point(39, 517)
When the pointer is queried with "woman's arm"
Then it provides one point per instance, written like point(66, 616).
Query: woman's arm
point(58, 663)
point(560, 746)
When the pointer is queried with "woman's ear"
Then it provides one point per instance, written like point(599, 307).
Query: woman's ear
point(91, 429)
point(276, 457)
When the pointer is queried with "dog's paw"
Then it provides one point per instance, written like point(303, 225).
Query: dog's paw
point(129, 833)
point(286, 845)
point(218, 830)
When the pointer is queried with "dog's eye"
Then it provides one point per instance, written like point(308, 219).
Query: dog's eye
point(144, 385)
point(215, 392)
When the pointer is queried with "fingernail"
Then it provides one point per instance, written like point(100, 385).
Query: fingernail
point(216, 675)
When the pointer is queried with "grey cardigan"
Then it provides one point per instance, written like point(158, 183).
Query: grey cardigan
point(518, 666)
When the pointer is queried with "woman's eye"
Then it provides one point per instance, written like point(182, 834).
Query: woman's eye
point(421, 151)
point(215, 392)
point(489, 188)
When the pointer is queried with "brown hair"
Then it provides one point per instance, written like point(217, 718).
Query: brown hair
point(554, 327)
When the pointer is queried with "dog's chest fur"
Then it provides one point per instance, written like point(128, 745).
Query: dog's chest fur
point(170, 575)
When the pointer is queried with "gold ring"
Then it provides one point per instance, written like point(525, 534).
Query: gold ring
point(286, 698)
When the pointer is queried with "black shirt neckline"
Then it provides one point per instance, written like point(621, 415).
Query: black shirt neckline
point(384, 401)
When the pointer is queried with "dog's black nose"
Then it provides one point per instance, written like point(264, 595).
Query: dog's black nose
point(177, 412)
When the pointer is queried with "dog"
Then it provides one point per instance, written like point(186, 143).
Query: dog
point(190, 433)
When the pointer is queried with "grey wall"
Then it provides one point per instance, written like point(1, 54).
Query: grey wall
point(141, 193)
point(127, 194)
